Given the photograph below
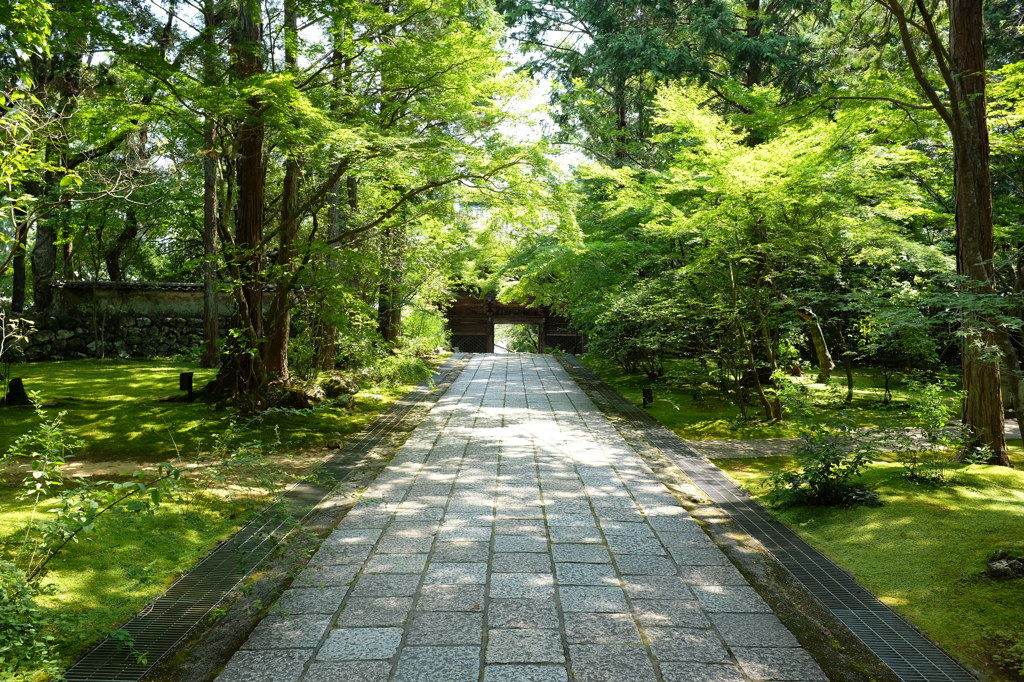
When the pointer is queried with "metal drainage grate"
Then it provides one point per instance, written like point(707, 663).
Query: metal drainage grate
point(167, 621)
point(898, 644)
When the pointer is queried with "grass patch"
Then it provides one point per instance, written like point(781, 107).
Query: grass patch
point(708, 417)
point(104, 579)
point(112, 405)
point(110, 574)
point(924, 552)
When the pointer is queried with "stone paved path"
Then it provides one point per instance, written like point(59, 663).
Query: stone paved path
point(517, 537)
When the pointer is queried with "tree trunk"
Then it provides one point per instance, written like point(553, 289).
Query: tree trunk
point(389, 300)
point(825, 362)
point(18, 265)
point(243, 375)
point(211, 315)
point(281, 314)
point(983, 406)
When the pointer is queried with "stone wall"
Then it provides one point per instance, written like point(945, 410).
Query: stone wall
point(79, 334)
point(120, 320)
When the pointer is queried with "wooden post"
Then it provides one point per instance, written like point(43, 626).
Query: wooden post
point(542, 334)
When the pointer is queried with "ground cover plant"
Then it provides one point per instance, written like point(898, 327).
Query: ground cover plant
point(924, 552)
point(112, 405)
point(91, 568)
point(699, 411)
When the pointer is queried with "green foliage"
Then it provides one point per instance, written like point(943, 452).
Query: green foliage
point(46, 449)
point(26, 641)
point(931, 409)
point(830, 457)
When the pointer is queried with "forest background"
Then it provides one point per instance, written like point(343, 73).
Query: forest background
point(754, 186)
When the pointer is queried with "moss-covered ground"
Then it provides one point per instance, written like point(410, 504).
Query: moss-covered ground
point(924, 552)
point(702, 413)
point(105, 578)
point(113, 406)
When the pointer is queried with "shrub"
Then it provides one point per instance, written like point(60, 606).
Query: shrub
point(829, 458)
point(927, 452)
point(26, 647)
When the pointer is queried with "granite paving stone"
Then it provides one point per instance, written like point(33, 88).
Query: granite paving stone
point(360, 644)
point(778, 664)
point(516, 537)
point(645, 564)
point(375, 611)
point(386, 585)
point(592, 599)
point(753, 630)
point(670, 613)
point(441, 573)
point(522, 613)
point(691, 671)
point(601, 628)
point(656, 587)
point(521, 585)
point(625, 544)
point(438, 664)
point(586, 574)
point(445, 628)
point(288, 632)
point(525, 673)
point(712, 575)
point(590, 554)
point(266, 666)
point(610, 663)
point(686, 644)
point(521, 562)
point(349, 671)
point(520, 543)
point(451, 598)
point(396, 563)
point(330, 575)
point(575, 534)
point(730, 598)
point(524, 646)
point(304, 600)
point(457, 552)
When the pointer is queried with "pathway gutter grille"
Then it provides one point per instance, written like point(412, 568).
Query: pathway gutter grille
point(911, 655)
point(169, 619)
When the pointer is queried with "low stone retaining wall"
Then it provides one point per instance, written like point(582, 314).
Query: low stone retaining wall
point(110, 335)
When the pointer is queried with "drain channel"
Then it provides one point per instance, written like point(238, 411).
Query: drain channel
point(169, 619)
point(911, 655)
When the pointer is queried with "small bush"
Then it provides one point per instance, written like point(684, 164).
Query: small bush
point(26, 647)
point(829, 458)
point(927, 453)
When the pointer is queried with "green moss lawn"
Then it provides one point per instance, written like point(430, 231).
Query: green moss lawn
point(711, 418)
point(107, 577)
point(112, 405)
point(924, 552)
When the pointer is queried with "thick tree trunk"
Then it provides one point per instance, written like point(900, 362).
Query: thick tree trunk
point(983, 408)
point(281, 314)
point(243, 374)
point(211, 315)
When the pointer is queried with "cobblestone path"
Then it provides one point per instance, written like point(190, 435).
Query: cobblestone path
point(517, 537)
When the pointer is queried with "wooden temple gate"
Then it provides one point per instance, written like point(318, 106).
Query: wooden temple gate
point(471, 321)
